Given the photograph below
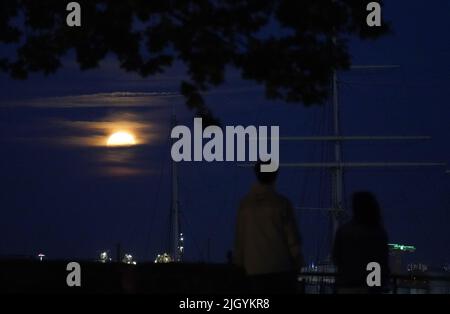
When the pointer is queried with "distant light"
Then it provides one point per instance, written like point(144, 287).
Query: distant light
point(163, 258)
point(128, 259)
point(41, 256)
point(401, 247)
point(104, 257)
point(417, 267)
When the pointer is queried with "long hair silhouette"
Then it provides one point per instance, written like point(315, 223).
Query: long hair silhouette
point(366, 209)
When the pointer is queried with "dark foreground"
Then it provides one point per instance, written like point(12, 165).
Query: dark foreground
point(50, 277)
point(31, 276)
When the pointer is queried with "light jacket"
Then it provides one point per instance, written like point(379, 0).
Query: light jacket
point(267, 238)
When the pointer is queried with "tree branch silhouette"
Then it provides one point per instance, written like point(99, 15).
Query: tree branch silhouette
point(289, 47)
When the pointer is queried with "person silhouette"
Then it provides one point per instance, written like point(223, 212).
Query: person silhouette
point(359, 242)
point(267, 241)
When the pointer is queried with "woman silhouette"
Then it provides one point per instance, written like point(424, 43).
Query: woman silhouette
point(359, 242)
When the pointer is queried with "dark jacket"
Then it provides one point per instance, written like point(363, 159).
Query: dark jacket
point(355, 246)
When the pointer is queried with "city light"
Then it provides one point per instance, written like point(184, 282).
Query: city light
point(163, 258)
point(128, 259)
point(401, 247)
point(104, 257)
point(181, 246)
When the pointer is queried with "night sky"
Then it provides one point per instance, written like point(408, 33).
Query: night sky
point(65, 194)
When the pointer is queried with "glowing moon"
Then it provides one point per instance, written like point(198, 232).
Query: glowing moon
point(121, 139)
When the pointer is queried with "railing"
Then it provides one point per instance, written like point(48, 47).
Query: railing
point(414, 283)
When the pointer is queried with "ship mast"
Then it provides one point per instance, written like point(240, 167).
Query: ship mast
point(177, 236)
point(337, 209)
point(337, 171)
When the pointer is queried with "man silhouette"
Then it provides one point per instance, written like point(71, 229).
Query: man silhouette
point(267, 242)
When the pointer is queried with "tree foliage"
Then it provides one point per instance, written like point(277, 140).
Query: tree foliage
point(289, 46)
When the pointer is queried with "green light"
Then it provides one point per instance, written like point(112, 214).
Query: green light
point(401, 247)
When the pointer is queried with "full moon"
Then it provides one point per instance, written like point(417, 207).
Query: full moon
point(121, 139)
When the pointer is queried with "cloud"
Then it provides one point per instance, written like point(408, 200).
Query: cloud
point(124, 171)
point(84, 134)
point(99, 100)
point(95, 133)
